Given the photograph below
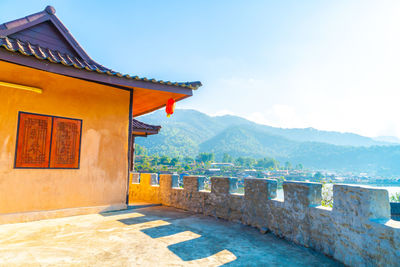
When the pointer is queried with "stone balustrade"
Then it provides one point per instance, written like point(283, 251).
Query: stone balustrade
point(357, 231)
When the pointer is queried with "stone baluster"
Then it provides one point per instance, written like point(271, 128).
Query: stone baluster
point(191, 183)
point(299, 197)
point(302, 194)
point(192, 200)
point(165, 189)
point(361, 202)
point(256, 196)
point(217, 203)
point(145, 179)
point(147, 191)
point(359, 217)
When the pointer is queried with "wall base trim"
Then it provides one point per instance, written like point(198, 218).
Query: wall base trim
point(20, 217)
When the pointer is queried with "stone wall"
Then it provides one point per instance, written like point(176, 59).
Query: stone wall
point(395, 210)
point(357, 231)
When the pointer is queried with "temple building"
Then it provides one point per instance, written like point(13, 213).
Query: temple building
point(67, 122)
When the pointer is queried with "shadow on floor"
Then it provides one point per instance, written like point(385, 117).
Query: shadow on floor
point(130, 207)
point(198, 248)
point(141, 206)
point(213, 236)
point(163, 230)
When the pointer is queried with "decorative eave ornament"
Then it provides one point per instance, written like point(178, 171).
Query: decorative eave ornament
point(170, 107)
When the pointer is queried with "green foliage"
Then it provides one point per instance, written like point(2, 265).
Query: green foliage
point(227, 158)
point(174, 161)
point(267, 163)
point(318, 176)
point(203, 161)
point(288, 165)
point(246, 162)
point(144, 164)
point(165, 160)
point(205, 157)
point(395, 197)
point(280, 181)
point(188, 160)
point(188, 132)
point(140, 150)
point(326, 194)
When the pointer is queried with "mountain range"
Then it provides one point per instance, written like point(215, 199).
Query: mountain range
point(189, 132)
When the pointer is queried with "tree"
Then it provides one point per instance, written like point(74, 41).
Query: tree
point(395, 197)
point(165, 160)
point(280, 181)
point(327, 195)
point(155, 161)
point(227, 158)
point(188, 160)
point(318, 176)
point(174, 161)
point(205, 157)
point(299, 166)
point(288, 165)
point(266, 163)
point(245, 162)
point(139, 150)
point(164, 168)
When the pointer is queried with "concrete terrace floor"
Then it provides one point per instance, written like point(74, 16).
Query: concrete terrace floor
point(147, 236)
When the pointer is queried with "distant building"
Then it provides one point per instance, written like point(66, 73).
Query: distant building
point(222, 164)
point(279, 172)
point(213, 171)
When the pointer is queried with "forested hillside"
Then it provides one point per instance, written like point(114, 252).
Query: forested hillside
point(189, 132)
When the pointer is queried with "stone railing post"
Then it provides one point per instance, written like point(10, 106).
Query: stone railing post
point(165, 189)
point(257, 192)
point(193, 200)
point(355, 202)
point(302, 194)
point(299, 197)
point(235, 200)
point(145, 179)
point(191, 183)
point(217, 203)
point(147, 191)
point(359, 217)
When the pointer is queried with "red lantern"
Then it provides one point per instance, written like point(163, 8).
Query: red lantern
point(170, 107)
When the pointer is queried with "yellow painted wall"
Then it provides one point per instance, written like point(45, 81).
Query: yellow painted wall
point(143, 191)
point(102, 177)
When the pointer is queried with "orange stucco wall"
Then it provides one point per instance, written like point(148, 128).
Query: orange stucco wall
point(102, 177)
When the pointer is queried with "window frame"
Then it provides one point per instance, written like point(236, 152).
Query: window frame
point(50, 149)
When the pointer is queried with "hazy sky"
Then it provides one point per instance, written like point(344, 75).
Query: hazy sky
point(331, 65)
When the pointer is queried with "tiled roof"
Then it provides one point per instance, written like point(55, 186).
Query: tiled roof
point(141, 126)
point(27, 49)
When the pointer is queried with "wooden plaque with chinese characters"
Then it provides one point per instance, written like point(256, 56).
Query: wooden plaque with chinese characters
point(33, 143)
point(65, 144)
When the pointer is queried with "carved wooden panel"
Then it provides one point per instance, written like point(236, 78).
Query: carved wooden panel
point(65, 145)
point(33, 144)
